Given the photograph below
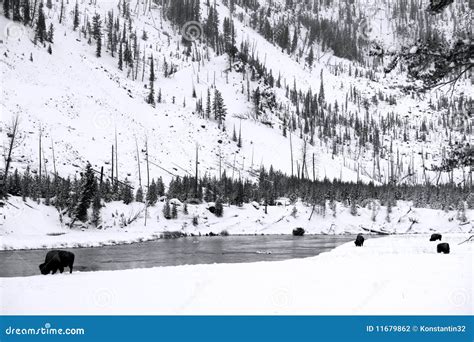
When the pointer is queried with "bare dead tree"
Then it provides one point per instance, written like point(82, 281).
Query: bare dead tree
point(12, 135)
point(40, 151)
point(147, 178)
point(54, 158)
point(138, 162)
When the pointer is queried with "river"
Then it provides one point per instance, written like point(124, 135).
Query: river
point(181, 251)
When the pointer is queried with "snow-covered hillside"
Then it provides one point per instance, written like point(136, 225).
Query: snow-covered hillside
point(82, 104)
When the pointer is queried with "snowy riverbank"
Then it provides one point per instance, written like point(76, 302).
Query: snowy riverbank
point(27, 225)
point(391, 275)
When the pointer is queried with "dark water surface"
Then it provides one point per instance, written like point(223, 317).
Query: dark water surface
point(182, 251)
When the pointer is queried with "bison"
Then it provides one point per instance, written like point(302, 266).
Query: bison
point(443, 248)
point(359, 241)
point(298, 231)
point(57, 260)
point(435, 237)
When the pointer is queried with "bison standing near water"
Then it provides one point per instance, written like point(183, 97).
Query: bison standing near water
point(359, 241)
point(298, 231)
point(435, 237)
point(443, 248)
point(57, 260)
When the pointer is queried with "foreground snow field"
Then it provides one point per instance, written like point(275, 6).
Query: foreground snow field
point(391, 275)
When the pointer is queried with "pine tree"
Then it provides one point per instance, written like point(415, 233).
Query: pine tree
point(120, 61)
point(98, 51)
point(310, 57)
point(50, 49)
point(389, 210)
point(234, 135)
point(97, 33)
point(256, 101)
point(151, 95)
point(61, 11)
point(353, 208)
point(174, 211)
point(158, 99)
point(219, 208)
point(219, 108)
point(185, 209)
point(167, 210)
point(208, 104)
point(139, 195)
point(41, 25)
point(51, 33)
point(321, 96)
point(26, 12)
point(96, 206)
point(126, 192)
point(461, 215)
point(239, 141)
point(160, 187)
point(151, 195)
point(6, 8)
point(76, 17)
point(16, 15)
point(87, 191)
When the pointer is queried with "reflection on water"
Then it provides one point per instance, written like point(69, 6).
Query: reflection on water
point(182, 251)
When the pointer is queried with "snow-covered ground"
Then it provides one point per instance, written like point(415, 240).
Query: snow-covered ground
point(27, 225)
point(390, 275)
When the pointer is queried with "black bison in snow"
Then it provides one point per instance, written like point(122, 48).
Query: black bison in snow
point(57, 260)
point(435, 237)
point(359, 241)
point(443, 248)
point(298, 232)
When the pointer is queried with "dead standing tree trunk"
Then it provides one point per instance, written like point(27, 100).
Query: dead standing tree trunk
point(8, 155)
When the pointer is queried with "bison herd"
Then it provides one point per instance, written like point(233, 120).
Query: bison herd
point(58, 260)
point(441, 248)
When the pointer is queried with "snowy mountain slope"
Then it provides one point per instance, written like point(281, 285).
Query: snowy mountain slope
point(82, 105)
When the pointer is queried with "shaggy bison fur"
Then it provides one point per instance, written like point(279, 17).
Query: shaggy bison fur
point(298, 232)
point(435, 237)
point(443, 248)
point(359, 241)
point(57, 260)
